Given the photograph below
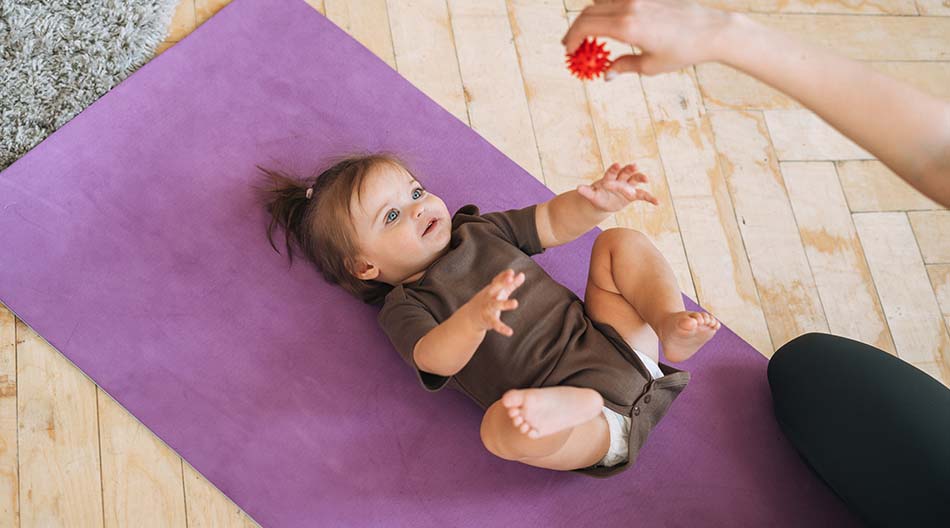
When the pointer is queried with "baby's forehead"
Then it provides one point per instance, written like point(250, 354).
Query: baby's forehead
point(378, 185)
point(381, 179)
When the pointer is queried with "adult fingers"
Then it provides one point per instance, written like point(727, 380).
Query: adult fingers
point(604, 22)
point(627, 63)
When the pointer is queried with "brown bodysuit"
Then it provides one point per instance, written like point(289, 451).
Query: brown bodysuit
point(554, 341)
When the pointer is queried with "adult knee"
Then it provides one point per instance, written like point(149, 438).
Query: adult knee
point(868, 423)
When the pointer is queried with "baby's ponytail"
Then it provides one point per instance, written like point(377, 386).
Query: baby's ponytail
point(289, 207)
point(315, 216)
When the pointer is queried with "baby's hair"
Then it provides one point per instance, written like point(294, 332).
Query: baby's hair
point(321, 227)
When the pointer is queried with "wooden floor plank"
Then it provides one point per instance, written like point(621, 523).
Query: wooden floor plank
point(625, 135)
point(368, 22)
point(719, 265)
point(907, 297)
point(871, 187)
point(57, 436)
point(937, 371)
point(847, 291)
point(783, 278)
point(800, 135)
point(559, 110)
point(491, 80)
point(940, 280)
point(872, 7)
point(932, 229)
point(208, 507)
point(876, 38)
point(9, 479)
point(183, 21)
point(141, 477)
point(205, 9)
point(425, 51)
point(933, 7)
point(889, 7)
point(726, 88)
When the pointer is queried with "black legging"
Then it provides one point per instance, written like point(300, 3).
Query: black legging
point(873, 427)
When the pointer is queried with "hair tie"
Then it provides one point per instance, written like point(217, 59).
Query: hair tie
point(309, 192)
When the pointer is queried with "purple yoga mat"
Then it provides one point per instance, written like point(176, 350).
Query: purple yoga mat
point(132, 244)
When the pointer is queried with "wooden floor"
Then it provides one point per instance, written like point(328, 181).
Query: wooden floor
point(772, 220)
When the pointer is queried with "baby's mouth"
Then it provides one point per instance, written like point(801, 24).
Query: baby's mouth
point(430, 227)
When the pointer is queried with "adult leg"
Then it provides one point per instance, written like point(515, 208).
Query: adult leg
point(873, 427)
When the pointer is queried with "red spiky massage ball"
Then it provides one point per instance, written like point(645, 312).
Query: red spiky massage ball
point(590, 60)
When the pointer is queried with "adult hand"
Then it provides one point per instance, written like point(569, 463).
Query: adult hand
point(672, 34)
point(908, 130)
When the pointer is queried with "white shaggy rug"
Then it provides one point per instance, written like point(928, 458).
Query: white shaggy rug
point(58, 56)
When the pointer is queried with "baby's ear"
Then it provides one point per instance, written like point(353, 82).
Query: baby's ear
point(365, 270)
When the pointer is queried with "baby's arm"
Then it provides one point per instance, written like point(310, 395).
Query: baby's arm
point(448, 347)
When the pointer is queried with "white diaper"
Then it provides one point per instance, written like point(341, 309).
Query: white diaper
point(619, 438)
point(651, 365)
point(620, 425)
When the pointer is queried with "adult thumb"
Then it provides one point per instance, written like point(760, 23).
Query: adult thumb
point(625, 64)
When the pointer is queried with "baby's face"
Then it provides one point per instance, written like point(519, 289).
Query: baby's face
point(392, 222)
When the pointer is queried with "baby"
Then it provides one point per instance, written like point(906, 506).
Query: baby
point(565, 384)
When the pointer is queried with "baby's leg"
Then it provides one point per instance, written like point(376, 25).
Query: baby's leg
point(626, 268)
point(577, 434)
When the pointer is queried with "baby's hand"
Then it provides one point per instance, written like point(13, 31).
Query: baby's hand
point(617, 189)
point(486, 306)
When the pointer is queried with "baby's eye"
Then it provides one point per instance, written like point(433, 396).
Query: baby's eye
point(390, 218)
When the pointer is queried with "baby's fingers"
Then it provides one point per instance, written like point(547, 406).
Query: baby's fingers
point(509, 304)
point(503, 329)
point(632, 193)
point(632, 173)
point(510, 285)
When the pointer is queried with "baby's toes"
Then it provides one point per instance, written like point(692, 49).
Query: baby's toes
point(517, 420)
point(513, 399)
point(525, 427)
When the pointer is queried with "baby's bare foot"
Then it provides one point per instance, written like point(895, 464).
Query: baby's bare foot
point(544, 411)
point(683, 333)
